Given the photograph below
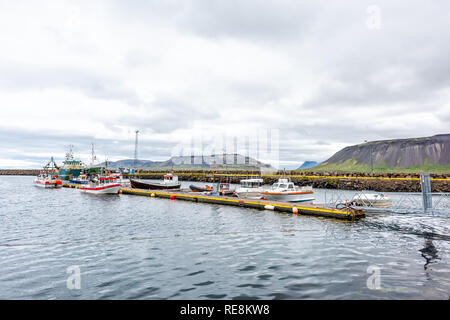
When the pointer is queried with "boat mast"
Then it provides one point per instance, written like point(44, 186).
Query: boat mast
point(93, 157)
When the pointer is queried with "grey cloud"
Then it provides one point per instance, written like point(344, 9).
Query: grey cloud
point(167, 114)
point(252, 20)
point(98, 86)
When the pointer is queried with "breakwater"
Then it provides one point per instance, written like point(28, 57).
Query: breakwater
point(383, 182)
point(19, 172)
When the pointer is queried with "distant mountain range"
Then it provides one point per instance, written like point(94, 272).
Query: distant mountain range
point(214, 161)
point(308, 165)
point(420, 154)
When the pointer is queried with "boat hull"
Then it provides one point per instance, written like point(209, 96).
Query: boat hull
point(112, 189)
point(153, 185)
point(290, 196)
point(372, 203)
point(47, 184)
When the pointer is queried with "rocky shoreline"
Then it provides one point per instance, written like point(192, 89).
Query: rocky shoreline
point(383, 182)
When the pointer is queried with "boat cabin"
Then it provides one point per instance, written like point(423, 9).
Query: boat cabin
point(283, 184)
point(251, 183)
point(224, 186)
point(106, 180)
point(170, 178)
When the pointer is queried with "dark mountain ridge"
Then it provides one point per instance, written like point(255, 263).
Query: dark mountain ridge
point(213, 161)
point(397, 153)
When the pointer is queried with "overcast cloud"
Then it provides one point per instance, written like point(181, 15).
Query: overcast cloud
point(76, 72)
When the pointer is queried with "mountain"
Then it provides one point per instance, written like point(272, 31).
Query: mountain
point(428, 153)
point(307, 165)
point(236, 161)
point(128, 163)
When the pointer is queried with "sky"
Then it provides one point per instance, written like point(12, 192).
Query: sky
point(322, 75)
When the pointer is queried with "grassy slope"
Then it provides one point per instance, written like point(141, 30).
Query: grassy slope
point(351, 165)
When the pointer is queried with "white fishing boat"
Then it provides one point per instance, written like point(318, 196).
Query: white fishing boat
point(45, 180)
point(285, 190)
point(103, 185)
point(250, 189)
point(48, 177)
point(366, 199)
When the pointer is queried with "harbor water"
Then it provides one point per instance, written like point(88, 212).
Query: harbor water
point(130, 247)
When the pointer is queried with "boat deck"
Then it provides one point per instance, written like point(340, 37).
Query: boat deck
point(289, 207)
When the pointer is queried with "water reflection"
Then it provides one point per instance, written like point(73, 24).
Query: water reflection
point(429, 252)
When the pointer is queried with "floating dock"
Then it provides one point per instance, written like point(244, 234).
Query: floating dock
point(288, 207)
point(71, 185)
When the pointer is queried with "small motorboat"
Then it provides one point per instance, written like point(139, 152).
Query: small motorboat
point(285, 190)
point(48, 177)
point(170, 182)
point(120, 179)
point(365, 199)
point(224, 189)
point(250, 188)
point(200, 189)
point(103, 185)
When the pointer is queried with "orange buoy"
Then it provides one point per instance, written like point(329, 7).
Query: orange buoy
point(120, 191)
point(172, 197)
point(294, 210)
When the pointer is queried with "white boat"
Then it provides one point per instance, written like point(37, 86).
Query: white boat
point(365, 199)
point(120, 179)
point(103, 185)
point(285, 190)
point(45, 180)
point(48, 177)
point(250, 189)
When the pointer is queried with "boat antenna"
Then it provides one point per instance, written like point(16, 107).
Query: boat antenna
point(136, 149)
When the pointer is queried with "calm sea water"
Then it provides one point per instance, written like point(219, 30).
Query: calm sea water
point(130, 247)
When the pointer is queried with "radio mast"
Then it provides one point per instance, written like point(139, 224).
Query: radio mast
point(136, 149)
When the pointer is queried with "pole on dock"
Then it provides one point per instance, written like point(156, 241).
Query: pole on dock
point(426, 191)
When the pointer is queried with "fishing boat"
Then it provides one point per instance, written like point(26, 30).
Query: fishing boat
point(365, 199)
point(285, 190)
point(46, 180)
point(200, 189)
point(48, 177)
point(170, 182)
point(101, 185)
point(250, 188)
point(71, 167)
